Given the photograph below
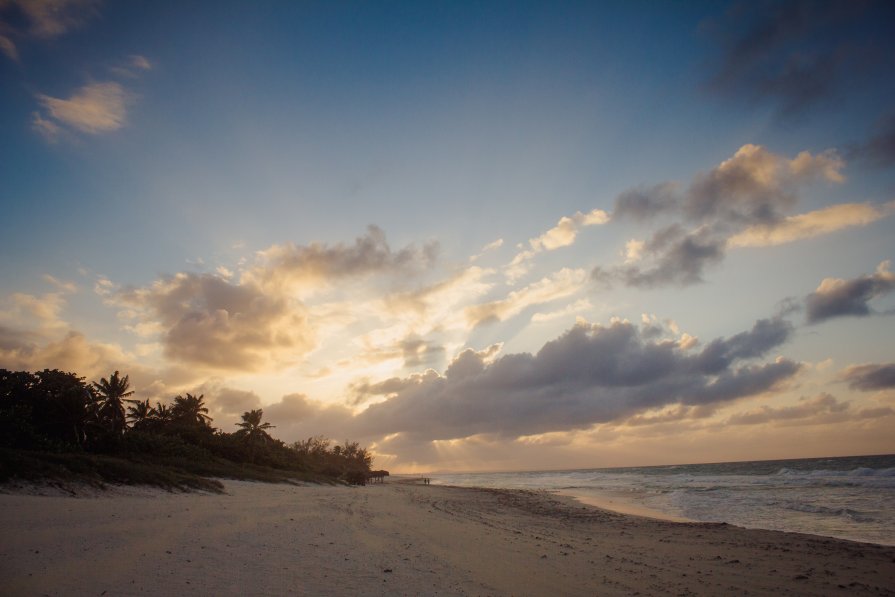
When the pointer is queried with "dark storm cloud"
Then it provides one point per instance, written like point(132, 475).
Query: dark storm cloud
point(871, 377)
point(838, 298)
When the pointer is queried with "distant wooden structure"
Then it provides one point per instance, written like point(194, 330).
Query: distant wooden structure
point(377, 476)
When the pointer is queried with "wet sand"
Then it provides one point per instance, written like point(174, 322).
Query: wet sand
point(402, 539)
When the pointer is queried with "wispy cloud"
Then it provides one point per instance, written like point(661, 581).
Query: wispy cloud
point(47, 129)
point(93, 109)
point(492, 246)
point(822, 409)
point(133, 67)
point(563, 283)
point(8, 47)
point(811, 224)
point(562, 235)
point(870, 377)
point(42, 19)
point(49, 18)
point(577, 308)
point(140, 62)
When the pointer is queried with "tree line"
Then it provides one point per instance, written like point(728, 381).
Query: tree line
point(56, 412)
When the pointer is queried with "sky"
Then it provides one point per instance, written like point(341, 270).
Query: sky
point(469, 235)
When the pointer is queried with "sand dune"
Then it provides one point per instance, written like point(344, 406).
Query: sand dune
point(401, 539)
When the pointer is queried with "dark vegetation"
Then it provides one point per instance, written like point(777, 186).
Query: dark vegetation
point(56, 427)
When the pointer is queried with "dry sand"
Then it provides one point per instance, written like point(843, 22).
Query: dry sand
point(402, 539)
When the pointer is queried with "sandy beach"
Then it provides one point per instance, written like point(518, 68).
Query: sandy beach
point(401, 538)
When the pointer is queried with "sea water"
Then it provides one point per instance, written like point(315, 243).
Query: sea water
point(849, 497)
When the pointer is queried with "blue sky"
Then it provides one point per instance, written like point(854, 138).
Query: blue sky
point(325, 209)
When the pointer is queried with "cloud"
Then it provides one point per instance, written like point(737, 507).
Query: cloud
point(41, 313)
point(47, 129)
point(823, 408)
point(259, 320)
point(311, 267)
point(766, 334)
point(93, 109)
point(561, 284)
point(60, 285)
point(795, 55)
point(870, 377)
point(591, 374)
point(207, 321)
point(133, 67)
point(70, 352)
point(634, 250)
point(225, 404)
point(50, 18)
point(647, 202)
point(742, 201)
point(35, 336)
point(41, 19)
point(566, 230)
point(391, 387)
point(298, 417)
point(492, 246)
point(140, 62)
point(412, 349)
point(752, 187)
point(838, 298)
point(756, 186)
point(8, 47)
point(677, 258)
point(576, 308)
point(562, 235)
point(810, 224)
point(439, 301)
point(878, 150)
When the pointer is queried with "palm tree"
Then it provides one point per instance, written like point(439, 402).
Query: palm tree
point(161, 413)
point(191, 410)
point(111, 394)
point(253, 431)
point(140, 413)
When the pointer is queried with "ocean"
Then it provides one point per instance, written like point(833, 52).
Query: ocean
point(848, 497)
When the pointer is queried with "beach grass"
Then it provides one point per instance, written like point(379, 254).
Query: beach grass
point(171, 473)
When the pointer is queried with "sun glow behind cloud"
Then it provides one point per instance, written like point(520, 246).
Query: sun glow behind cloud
point(443, 260)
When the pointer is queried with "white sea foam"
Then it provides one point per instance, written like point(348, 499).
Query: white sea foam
point(851, 498)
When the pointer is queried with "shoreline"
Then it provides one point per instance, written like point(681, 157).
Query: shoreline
point(622, 506)
point(402, 538)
